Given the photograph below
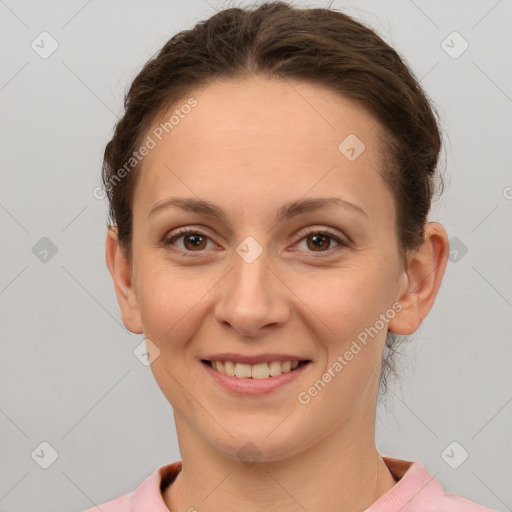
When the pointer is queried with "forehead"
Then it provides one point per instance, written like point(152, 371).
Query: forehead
point(268, 141)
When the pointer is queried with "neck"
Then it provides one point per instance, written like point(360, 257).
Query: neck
point(333, 474)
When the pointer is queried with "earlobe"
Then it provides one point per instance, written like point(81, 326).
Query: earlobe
point(120, 269)
point(424, 273)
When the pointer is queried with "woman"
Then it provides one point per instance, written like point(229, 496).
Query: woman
point(269, 186)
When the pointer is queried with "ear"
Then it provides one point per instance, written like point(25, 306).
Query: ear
point(422, 279)
point(121, 271)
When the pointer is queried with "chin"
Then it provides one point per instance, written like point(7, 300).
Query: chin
point(250, 448)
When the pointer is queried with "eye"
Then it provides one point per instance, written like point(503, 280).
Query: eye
point(320, 240)
point(194, 240)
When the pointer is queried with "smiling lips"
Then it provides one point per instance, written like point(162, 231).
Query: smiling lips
point(261, 366)
point(254, 375)
point(254, 371)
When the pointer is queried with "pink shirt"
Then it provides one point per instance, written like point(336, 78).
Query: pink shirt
point(415, 491)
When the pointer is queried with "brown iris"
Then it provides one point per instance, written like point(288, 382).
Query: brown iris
point(198, 241)
point(320, 241)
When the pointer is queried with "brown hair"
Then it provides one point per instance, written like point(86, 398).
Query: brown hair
point(278, 41)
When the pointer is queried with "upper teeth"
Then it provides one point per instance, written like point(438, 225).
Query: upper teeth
point(256, 371)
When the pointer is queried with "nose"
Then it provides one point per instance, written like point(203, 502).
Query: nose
point(252, 298)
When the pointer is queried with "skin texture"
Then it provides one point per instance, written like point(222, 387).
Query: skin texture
point(249, 146)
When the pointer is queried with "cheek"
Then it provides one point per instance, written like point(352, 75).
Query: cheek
point(170, 304)
point(172, 307)
point(344, 313)
point(351, 306)
point(347, 299)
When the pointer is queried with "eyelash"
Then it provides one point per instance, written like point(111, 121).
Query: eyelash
point(302, 234)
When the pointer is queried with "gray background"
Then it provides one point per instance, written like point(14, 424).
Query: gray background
point(68, 375)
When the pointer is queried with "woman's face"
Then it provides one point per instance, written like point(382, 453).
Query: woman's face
point(307, 286)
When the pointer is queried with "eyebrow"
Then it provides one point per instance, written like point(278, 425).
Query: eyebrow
point(286, 211)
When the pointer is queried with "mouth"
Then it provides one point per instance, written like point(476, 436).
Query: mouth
point(259, 371)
